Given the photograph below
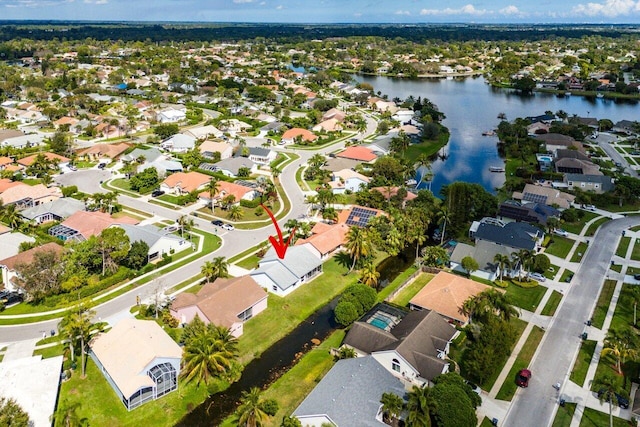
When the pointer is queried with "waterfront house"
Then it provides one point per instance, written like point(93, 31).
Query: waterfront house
point(325, 239)
point(534, 213)
point(512, 235)
point(544, 194)
point(349, 395)
point(138, 359)
point(348, 180)
point(411, 346)
point(591, 183)
point(225, 302)
point(445, 294)
point(358, 153)
point(282, 276)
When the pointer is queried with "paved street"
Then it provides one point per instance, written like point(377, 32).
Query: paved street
point(554, 357)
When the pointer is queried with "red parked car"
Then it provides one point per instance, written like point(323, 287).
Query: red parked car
point(522, 379)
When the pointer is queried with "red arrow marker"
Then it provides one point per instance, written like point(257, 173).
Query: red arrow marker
point(279, 245)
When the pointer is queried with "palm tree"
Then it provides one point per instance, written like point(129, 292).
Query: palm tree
point(209, 352)
point(317, 160)
point(369, 275)
point(503, 262)
point(521, 259)
point(622, 345)
point(12, 216)
point(392, 405)
point(488, 302)
point(213, 188)
point(185, 223)
point(236, 212)
point(67, 416)
point(250, 412)
point(608, 387)
point(358, 245)
point(419, 406)
point(77, 326)
point(218, 267)
point(444, 218)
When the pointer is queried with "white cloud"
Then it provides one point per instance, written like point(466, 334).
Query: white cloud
point(96, 1)
point(279, 7)
point(608, 9)
point(402, 12)
point(510, 10)
point(468, 9)
point(242, 1)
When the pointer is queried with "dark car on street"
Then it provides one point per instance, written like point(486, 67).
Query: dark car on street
point(217, 223)
point(157, 193)
point(523, 377)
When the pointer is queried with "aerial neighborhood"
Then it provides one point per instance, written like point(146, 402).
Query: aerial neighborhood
point(248, 232)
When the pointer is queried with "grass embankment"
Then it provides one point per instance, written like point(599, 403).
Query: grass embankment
point(509, 386)
point(411, 290)
point(564, 415)
point(552, 304)
point(600, 311)
point(580, 368)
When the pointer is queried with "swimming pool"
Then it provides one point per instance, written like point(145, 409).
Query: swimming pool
point(382, 321)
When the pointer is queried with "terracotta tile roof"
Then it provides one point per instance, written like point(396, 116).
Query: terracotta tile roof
point(6, 183)
point(65, 121)
point(221, 301)
point(305, 134)
point(187, 181)
point(329, 240)
point(108, 150)
point(27, 257)
point(389, 192)
point(229, 188)
point(4, 161)
point(446, 293)
point(22, 191)
point(357, 152)
point(27, 161)
point(92, 223)
point(214, 147)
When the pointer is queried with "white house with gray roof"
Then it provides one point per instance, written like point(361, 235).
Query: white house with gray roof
point(282, 276)
point(349, 395)
point(56, 210)
point(179, 143)
point(231, 167)
point(160, 242)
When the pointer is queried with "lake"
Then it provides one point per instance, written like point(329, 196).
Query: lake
point(472, 106)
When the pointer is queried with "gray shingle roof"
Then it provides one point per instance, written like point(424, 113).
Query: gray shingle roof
point(234, 164)
point(150, 155)
point(297, 262)
point(517, 235)
point(149, 234)
point(350, 393)
point(484, 252)
point(62, 208)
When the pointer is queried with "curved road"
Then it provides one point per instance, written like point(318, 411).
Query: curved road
point(233, 242)
point(554, 358)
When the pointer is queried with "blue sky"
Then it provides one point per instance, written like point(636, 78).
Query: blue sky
point(329, 11)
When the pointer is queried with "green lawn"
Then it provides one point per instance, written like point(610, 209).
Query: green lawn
point(526, 298)
point(291, 389)
point(486, 422)
point(623, 316)
point(635, 254)
point(623, 247)
point(509, 386)
point(410, 291)
point(519, 325)
point(580, 368)
point(593, 418)
point(48, 352)
point(565, 275)
point(284, 314)
point(596, 224)
point(579, 252)
point(602, 305)
point(576, 227)
point(564, 415)
point(102, 407)
point(559, 246)
point(552, 304)
point(399, 280)
point(249, 263)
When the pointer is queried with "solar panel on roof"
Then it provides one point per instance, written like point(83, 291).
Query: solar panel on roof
point(535, 198)
point(360, 216)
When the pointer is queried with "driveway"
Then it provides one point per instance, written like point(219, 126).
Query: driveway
point(554, 358)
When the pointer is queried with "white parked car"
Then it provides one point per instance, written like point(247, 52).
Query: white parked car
point(537, 277)
point(560, 232)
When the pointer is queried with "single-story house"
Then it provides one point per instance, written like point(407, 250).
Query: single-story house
point(160, 242)
point(329, 125)
point(184, 182)
point(8, 265)
point(171, 115)
point(10, 242)
point(138, 359)
point(535, 213)
point(178, 143)
point(547, 195)
point(224, 302)
point(262, 156)
point(53, 157)
point(282, 276)
point(592, 183)
point(292, 135)
point(556, 141)
point(104, 151)
point(83, 224)
point(357, 152)
point(225, 189)
point(334, 113)
point(445, 294)
point(348, 179)
point(207, 148)
point(358, 215)
point(55, 210)
point(412, 346)
point(24, 141)
point(349, 395)
point(335, 164)
point(325, 239)
point(25, 196)
point(484, 253)
point(203, 132)
point(512, 235)
point(231, 167)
